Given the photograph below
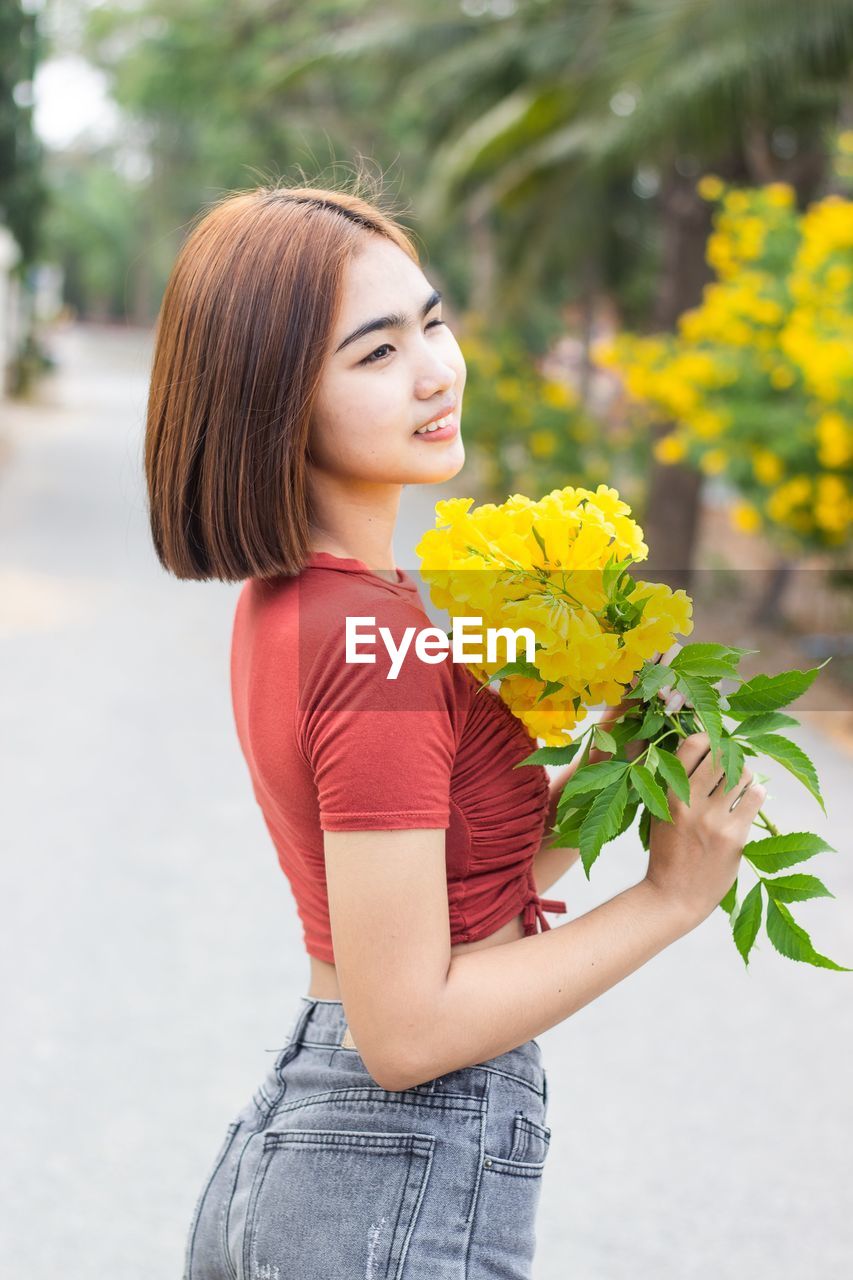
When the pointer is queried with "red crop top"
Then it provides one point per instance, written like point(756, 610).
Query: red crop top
point(335, 746)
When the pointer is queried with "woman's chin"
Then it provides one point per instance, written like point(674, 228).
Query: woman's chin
point(443, 467)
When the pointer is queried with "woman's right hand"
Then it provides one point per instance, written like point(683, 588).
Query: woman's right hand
point(693, 860)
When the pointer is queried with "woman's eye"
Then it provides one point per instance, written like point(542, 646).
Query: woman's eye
point(374, 356)
point(371, 359)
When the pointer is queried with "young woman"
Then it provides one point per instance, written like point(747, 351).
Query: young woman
point(300, 354)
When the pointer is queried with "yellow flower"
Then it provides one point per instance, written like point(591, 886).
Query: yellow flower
point(452, 511)
point(780, 194)
point(710, 187)
point(766, 466)
point(833, 506)
point(737, 202)
point(604, 351)
point(543, 444)
point(745, 517)
point(835, 440)
point(838, 278)
point(669, 449)
point(782, 377)
point(707, 423)
point(790, 495)
point(845, 142)
point(667, 615)
point(542, 565)
point(558, 394)
point(714, 461)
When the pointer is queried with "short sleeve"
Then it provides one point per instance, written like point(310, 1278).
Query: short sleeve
point(381, 750)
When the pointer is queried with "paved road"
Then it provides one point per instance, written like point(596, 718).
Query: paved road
point(702, 1127)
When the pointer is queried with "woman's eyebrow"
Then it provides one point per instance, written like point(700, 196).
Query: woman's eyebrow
point(396, 321)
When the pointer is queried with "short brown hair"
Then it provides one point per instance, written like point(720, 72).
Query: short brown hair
point(243, 330)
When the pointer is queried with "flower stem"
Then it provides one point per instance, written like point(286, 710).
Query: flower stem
point(676, 725)
point(768, 825)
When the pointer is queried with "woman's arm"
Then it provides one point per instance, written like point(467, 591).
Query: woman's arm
point(549, 865)
point(416, 1010)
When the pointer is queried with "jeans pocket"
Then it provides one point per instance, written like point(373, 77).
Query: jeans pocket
point(332, 1202)
point(503, 1234)
point(205, 1249)
point(530, 1141)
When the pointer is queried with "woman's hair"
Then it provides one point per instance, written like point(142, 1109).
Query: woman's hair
point(242, 334)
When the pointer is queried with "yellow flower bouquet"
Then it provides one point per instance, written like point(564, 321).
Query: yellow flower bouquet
point(558, 572)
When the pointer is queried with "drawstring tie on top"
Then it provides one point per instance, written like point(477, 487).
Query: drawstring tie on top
point(535, 908)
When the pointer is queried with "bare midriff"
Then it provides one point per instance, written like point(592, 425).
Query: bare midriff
point(324, 977)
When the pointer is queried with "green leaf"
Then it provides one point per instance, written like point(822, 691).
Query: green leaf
point(519, 668)
point(732, 761)
point(675, 774)
point(567, 837)
point(651, 723)
point(766, 693)
point(602, 822)
point(697, 650)
point(583, 758)
point(777, 852)
point(628, 816)
point(747, 922)
point(796, 888)
point(708, 670)
point(794, 759)
point(551, 755)
point(706, 703)
point(711, 661)
point(572, 815)
point(644, 828)
point(551, 687)
point(729, 902)
point(651, 760)
point(790, 939)
point(652, 678)
point(603, 740)
point(622, 731)
point(614, 571)
point(764, 723)
point(569, 822)
point(623, 613)
point(538, 536)
point(592, 777)
point(650, 793)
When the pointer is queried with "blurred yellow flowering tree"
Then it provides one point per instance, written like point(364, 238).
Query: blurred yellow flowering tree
point(530, 431)
point(759, 377)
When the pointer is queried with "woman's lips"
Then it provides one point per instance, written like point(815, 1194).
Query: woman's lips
point(443, 433)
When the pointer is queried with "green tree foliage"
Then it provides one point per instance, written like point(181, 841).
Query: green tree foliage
point(22, 191)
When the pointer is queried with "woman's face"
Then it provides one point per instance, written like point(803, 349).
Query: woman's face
point(378, 388)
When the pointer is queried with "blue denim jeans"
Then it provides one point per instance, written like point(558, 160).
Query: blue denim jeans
point(326, 1176)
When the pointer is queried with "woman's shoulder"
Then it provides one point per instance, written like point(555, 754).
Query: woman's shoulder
point(353, 639)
